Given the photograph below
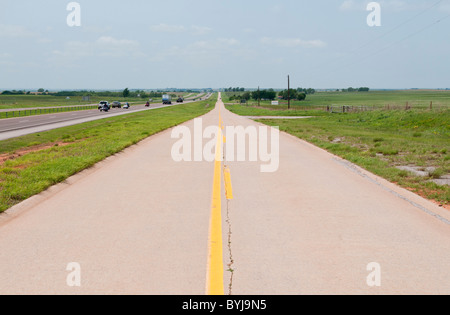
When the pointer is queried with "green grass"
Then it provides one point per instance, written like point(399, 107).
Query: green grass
point(269, 111)
point(75, 148)
point(32, 101)
point(379, 141)
point(376, 99)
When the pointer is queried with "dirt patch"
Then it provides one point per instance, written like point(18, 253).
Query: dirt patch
point(21, 152)
point(425, 194)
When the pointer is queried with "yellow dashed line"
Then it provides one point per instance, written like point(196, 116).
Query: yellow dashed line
point(228, 186)
point(215, 284)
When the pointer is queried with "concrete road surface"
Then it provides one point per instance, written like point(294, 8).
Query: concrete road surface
point(141, 223)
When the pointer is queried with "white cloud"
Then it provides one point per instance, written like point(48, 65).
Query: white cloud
point(44, 40)
point(15, 31)
point(165, 28)
point(193, 30)
point(349, 5)
point(200, 30)
point(105, 46)
point(204, 52)
point(292, 42)
point(96, 29)
point(228, 41)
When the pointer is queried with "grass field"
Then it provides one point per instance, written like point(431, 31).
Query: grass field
point(32, 163)
point(378, 141)
point(377, 99)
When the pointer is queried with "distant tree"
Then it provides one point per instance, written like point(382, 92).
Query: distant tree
point(270, 94)
point(246, 96)
point(264, 95)
point(126, 93)
point(363, 89)
point(41, 90)
point(291, 94)
point(306, 91)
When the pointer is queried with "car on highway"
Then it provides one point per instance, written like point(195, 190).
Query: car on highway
point(105, 108)
point(116, 105)
point(102, 104)
point(166, 99)
point(180, 100)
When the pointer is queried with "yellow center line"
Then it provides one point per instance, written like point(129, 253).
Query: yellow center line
point(228, 186)
point(215, 284)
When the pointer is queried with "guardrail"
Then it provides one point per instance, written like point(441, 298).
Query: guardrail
point(43, 111)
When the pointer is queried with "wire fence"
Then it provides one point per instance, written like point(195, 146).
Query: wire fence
point(348, 108)
point(388, 107)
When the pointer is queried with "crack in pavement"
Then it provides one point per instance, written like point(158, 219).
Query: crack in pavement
point(230, 252)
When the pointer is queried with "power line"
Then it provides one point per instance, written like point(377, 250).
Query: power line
point(392, 45)
point(398, 26)
point(406, 38)
point(381, 36)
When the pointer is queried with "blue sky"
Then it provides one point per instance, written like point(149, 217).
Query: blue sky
point(199, 43)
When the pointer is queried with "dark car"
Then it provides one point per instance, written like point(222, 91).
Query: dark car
point(105, 108)
point(102, 105)
point(180, 100)
point(116, 105)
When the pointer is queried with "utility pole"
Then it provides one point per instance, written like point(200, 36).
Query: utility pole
point(289, 92)
point(259, 98)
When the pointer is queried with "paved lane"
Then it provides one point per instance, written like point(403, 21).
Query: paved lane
point(315, 225)
point(142, 223)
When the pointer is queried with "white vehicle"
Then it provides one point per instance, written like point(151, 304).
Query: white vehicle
point(166, 99)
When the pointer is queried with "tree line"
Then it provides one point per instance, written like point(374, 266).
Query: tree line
point(361, 89)
point(270, 94)
point(237, 89)
point(125, 93)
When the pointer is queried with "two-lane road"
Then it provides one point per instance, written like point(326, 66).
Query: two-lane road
point(317, 225)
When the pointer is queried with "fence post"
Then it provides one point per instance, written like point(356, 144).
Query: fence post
point(431, 105)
